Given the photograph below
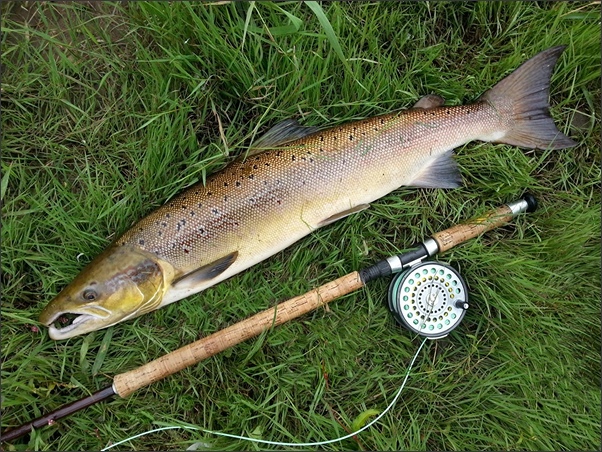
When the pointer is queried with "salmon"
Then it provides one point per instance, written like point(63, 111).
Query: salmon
point(294, 180)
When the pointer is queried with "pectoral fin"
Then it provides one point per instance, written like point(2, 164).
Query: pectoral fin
point(205, 273)
point(343, 214)
point(429, 101)
point(281, 133)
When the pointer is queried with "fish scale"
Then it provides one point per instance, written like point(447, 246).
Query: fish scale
point(301, 175)
point(294, 180)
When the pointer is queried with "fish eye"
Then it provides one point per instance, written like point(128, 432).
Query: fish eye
point(89, 295)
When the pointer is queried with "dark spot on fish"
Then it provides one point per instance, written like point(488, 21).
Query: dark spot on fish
point(448, 112)
point(225, 184)
point(164, 224)
point(363, 134)
point(321, 137)
point(225, 198)
point(200, 205)
point(265, 182)
point(160, 233)
point(432, 113)
point(251, 176)
point(237, 184)
point(192, 213)
point(321, 150)
point(186, 250)
point(425, 113)
point(303, 158)
point(251, 200)
point(184, 207)
point(236, 223)
point(266, 164)
point(183, 198)
point(278, 202)
point(167, 215)
point(382, 121)
point(140, 229)
point(334, 137)
point(293, 158)
point(215, 211)
point(311, 160)
point(255, 166)
point(201, 231)
point(257, 158)
point(350, 137)
point(209, 193)
point(376, 128)
point(141, 242)
point(278, 154)
point(183, 222)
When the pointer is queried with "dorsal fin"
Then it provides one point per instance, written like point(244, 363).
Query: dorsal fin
point(429, 101)
point(205, 273)
point(283, 132)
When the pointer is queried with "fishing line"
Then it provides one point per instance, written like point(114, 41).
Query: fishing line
point(428, 298)
point(278, 443)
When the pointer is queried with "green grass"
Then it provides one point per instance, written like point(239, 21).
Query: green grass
point(108, 110)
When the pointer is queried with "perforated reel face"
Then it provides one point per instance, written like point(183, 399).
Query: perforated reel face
point(430, 299)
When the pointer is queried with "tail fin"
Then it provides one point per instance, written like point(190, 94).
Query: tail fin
point(522, 101)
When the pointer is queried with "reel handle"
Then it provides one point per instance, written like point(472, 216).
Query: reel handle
point(455, 235)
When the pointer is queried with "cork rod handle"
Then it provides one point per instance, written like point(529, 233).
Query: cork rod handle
point(126, 383)
point(455, 235)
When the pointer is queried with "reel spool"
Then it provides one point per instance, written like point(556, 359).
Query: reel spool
point(429, 298)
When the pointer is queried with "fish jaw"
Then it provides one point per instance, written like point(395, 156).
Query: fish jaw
point(122, 283)
point(84, 322)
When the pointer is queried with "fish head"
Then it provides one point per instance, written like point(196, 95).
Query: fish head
point(121, 283)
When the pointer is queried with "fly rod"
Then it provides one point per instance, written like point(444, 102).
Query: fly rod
point(126, 383)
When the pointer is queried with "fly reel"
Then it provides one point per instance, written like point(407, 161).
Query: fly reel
point(429, 298)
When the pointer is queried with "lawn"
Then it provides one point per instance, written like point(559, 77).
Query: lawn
point(109, 110)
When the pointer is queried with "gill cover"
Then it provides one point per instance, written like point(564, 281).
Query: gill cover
point(121, 283)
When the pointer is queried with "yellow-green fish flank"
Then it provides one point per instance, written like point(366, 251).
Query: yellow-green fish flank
point(293, 181)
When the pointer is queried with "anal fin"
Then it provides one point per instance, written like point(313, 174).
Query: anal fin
point(442, 172)
point(343, 214)
point(205, 273)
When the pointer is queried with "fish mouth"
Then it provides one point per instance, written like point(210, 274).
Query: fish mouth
point(64, 325)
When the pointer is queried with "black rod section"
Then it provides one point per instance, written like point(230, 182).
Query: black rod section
point(60, 413)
